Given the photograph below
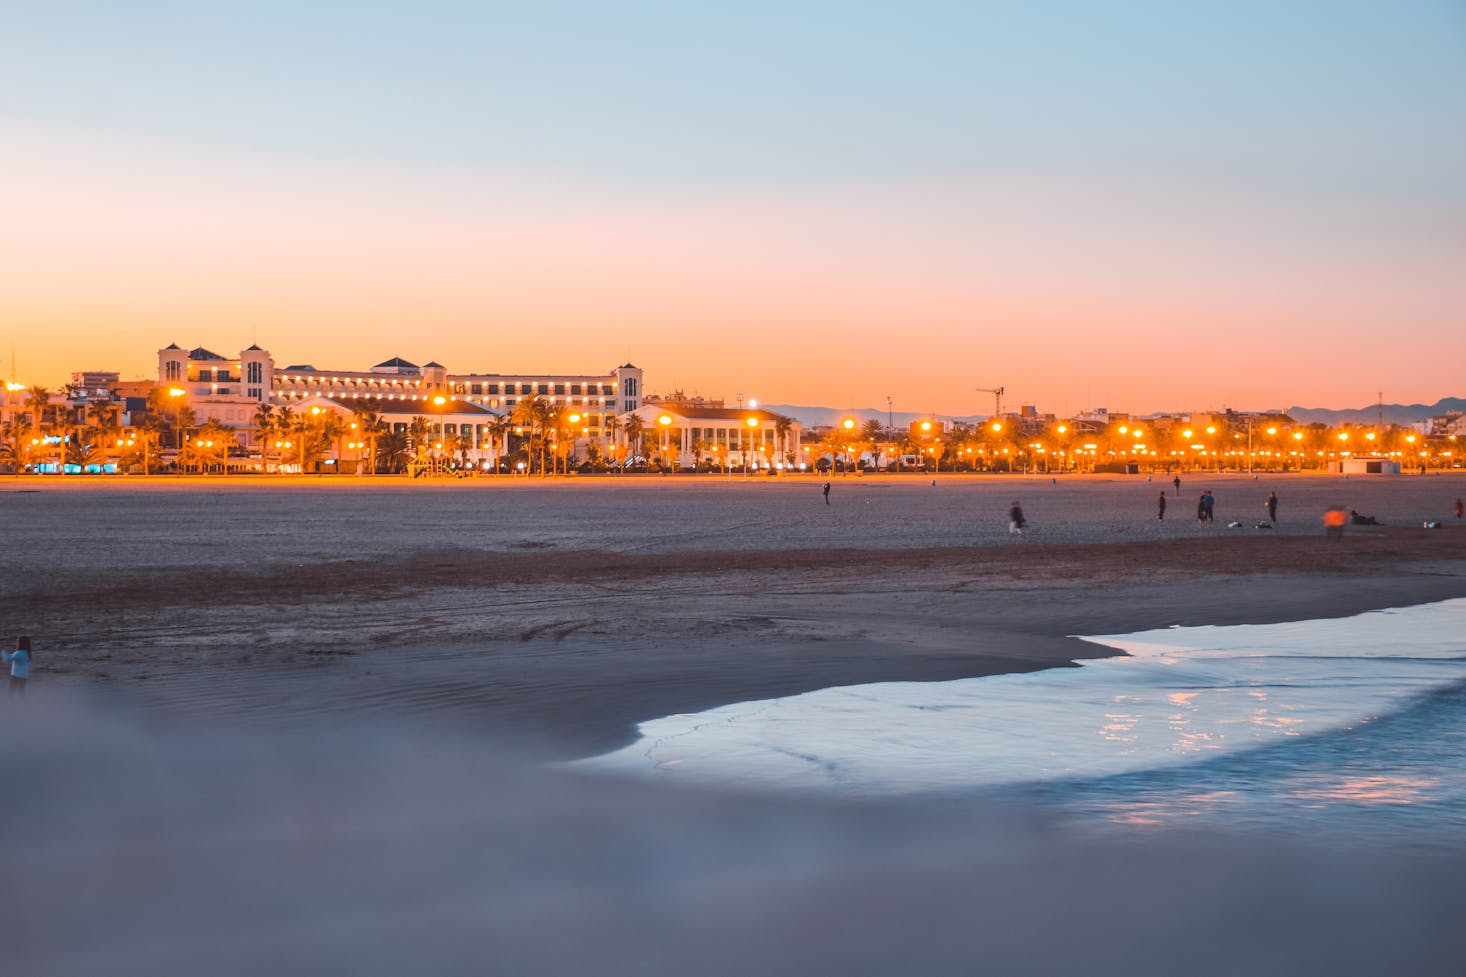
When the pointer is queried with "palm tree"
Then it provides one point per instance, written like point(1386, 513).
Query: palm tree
point(635, 430)
point(369, 422)
point(457, 446)
point(530, 413)
point(264, 427)
point(285, 425)
point(392, 450)
point(418, 430)
point(782, 427)
point(11, 453)
point(556, 420)
point(499, 428)
point(38, 400)
point(333, 428)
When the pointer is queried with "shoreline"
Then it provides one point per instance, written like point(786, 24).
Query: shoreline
point(567, 652)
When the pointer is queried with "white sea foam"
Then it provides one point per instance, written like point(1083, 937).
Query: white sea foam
point(1184, 694)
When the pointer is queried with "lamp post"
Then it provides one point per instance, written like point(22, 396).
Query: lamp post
point(752, 423)
point(176, 394)
point(849, 425)
point(664, 421)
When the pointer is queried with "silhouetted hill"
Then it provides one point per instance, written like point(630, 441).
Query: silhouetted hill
point(1393, 413)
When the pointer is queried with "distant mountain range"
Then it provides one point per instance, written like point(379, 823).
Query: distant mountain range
point(1393, 414)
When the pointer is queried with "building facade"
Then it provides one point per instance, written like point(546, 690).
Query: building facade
point(686, 434)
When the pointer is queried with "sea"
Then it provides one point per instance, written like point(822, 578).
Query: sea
point(1341, 730)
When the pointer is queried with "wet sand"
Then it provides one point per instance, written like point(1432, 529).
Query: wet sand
point(567, 611)
point(285, 727)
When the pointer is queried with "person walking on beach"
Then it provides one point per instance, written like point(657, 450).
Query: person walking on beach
point(1458, 510)
point(1177, 482)
point(827, 493)
point(20, 664)
point(1161, 503)
point(1272, 507)
point(1211, 507)
point(1016, 522)
point(1201, 509)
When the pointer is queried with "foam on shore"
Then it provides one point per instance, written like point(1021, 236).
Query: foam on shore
point(1183, 694)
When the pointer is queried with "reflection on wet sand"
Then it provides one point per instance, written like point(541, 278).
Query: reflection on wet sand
point(1379, 789)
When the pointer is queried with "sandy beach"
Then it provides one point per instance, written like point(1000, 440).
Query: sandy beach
point(336, 666)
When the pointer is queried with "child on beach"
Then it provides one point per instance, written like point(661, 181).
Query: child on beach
point(20, 664)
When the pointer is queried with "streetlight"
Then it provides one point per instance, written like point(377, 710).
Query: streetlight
point(176, 394)
point(752, 423)
point(849, 425)
point(665, 421)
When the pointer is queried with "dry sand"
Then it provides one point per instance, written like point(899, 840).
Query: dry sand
point(570, 610)
point(281, 727)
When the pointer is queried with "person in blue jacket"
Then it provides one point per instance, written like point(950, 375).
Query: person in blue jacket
point(20, 664)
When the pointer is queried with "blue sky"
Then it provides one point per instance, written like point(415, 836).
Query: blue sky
point(1016, 167)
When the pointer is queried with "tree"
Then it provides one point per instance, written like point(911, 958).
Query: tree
point(531, 413)
point(11, 452)
point(264, 427)
point(332, 429)
point(370, 425)
point(635, 430)
point(392, 451)
point(782, 427)
point(418, 431)
point(499, 429)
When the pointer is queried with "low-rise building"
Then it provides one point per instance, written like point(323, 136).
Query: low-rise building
point(686, 434)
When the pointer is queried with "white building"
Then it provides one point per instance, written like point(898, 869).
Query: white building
point(596, 397)
point(686, 433)
point(216, 388)
point(230, 391)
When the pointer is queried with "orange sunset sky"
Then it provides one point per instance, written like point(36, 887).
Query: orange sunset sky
point(1150, 209)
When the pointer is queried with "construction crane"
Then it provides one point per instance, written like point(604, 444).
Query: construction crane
point(997, 393)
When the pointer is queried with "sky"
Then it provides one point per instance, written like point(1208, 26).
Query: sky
point(1142, 206)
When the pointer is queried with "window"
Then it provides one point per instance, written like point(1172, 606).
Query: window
point(544, 388)
point(526, 388)
point(559, 389)
point(493, 388)
point(171, 370)
point(477, 388)
point(630, 387)
point(255, 373)
point(630, 405)
point(575, 388)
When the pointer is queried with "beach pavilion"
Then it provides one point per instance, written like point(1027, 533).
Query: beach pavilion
point(686, 433)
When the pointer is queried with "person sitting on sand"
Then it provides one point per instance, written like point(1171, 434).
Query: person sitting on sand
point(20, 664)
point(1357, 520)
